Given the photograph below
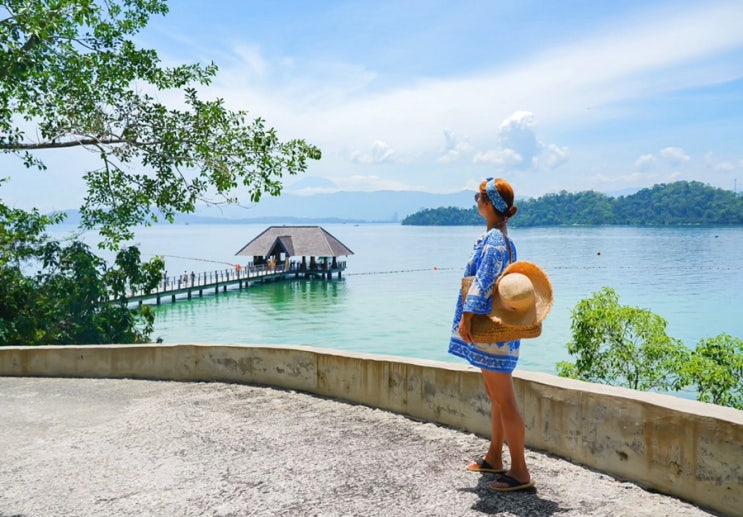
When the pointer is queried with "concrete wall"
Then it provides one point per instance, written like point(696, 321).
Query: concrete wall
point(683, 448)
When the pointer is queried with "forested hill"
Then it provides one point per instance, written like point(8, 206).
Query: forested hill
point(673, 204)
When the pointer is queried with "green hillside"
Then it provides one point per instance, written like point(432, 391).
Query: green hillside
point(674, 204)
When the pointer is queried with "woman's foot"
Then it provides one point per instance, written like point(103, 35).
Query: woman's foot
point(482, 465)
point(507, 483)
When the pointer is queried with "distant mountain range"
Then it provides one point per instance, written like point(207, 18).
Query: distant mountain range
point(383, 206)
point(380, 206)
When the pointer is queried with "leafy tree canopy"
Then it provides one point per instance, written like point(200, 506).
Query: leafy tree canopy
point(71, 76)
point(628, 346)
point(679, 203)
point(73, 296)
point(715, 370)
point(624, 346)
point(70, 71)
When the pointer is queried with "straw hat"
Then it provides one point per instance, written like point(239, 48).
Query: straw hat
point(522, 297)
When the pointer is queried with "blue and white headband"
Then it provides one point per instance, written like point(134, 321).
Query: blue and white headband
point(495, 198)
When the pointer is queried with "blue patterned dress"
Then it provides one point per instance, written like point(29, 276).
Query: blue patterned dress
point(489, 258)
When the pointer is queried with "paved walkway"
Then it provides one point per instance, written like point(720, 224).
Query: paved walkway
point(92, 447)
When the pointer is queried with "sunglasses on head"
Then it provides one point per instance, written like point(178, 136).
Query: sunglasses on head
point(478, 196)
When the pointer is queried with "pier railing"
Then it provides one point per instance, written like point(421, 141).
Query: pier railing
point(238, 277)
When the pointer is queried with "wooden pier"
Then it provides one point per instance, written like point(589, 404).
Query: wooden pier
point(189, 285)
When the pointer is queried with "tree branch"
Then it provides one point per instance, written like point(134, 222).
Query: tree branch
point(73, 143)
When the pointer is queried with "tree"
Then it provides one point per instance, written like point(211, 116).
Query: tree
point(628, 346)
point(74, 296)
point(449, 216)
point(680, 203)
point(70, 76)
point(622, 346)
point(69, 69)
point(715, 370)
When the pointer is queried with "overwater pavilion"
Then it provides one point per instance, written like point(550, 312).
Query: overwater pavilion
point(305, 250)
point(279, 252)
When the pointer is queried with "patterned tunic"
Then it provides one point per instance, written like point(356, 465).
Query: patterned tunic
point(489, 258)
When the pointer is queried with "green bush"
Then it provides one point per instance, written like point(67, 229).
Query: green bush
point(628, 346)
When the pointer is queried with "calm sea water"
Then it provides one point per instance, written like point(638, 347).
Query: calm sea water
point(398, 293)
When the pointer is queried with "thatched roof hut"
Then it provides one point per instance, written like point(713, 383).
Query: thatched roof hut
point(295, 241)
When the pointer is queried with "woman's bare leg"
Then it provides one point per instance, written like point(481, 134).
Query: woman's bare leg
point(500, 390)
point(494, 455)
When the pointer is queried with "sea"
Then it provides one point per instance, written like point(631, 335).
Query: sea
point(398, 292)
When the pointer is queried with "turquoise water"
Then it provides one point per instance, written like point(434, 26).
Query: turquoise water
point(398, 293)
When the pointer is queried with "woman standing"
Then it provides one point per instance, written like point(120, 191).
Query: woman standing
point(491, 254)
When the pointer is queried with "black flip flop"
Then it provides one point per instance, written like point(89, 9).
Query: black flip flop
point(483, 466)
point(513, 484)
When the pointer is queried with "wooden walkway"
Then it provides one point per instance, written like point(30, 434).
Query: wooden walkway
point(189, 285)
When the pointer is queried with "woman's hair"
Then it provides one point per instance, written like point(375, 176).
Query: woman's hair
point(506, 192)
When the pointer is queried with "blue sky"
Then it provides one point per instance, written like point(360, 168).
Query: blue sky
point(436, 95)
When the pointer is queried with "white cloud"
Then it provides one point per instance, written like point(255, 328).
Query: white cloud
point(621, 180)
point(500, 157)
point(635, 61)
point(251, 58)
point(309, 185)
point(454, 148)
point(311, 191)
point(380, 152)
point(574, 87)
point(725, 167)
point(518, 147)
point(675, 156)
point(669, 156)
point(371, 183)
point(556, 156)
point(518, 134)
point(645, 163)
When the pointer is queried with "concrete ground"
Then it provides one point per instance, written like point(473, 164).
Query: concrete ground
point(96, 447)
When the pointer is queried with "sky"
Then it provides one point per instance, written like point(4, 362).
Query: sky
point(436, 95)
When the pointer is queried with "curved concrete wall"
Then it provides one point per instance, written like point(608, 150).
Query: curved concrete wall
point(679, 447)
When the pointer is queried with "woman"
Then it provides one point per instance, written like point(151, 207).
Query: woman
point(491, 254)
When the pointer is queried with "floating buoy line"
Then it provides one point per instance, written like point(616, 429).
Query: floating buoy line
point(436, 268)
point(190, 258)
point(402, 271)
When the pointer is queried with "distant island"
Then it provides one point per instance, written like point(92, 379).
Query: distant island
point(680, 203)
